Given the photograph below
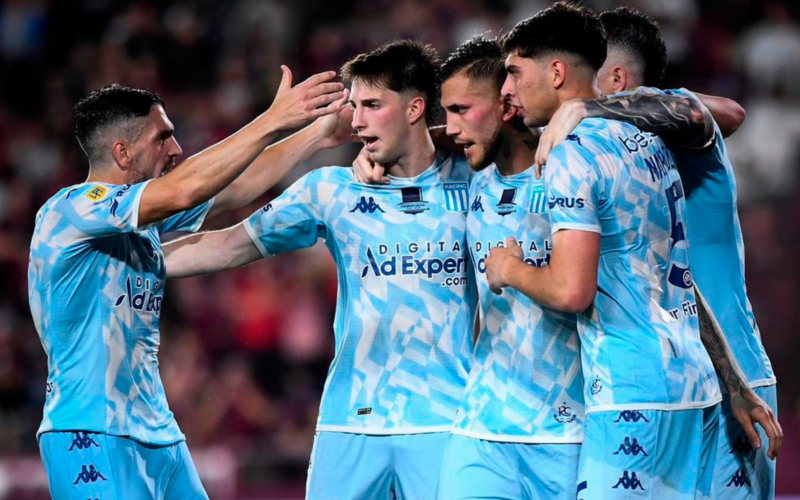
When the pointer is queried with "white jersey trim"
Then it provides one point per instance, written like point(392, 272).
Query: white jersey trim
point(764, 382)
point(505, 438)
point(558, 226)
point(378, 431)
point(252, 234)
point(654, 406)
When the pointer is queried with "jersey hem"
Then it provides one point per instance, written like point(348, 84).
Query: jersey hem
point(169, 442)
point(252, 234)
point(383, 432)
point(764, 382)
point(506, 438)
point(654, 406)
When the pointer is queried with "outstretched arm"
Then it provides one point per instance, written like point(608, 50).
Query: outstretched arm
point(205, 174)
point(681, 120)
point(210, 252)
point(728, 114)
point(276, 161)
point(746, 406)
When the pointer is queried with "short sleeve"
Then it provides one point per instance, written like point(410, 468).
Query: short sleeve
point(572, 182)
point(291, 221)
point(188, 220)
point(98, 210)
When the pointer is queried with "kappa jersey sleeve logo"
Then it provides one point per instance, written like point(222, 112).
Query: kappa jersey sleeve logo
point(97, 193)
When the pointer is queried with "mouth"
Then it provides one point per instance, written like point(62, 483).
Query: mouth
point(168, 167)
point(369, 142)
point(519, 111)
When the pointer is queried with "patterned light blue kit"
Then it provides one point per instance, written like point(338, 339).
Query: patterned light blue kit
point(406, 294)
point(525, 384)
point(640, 343)
point(96, 284)
point(713, 227)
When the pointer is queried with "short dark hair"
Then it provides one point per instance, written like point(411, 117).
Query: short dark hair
point(479, 58)
point(640, 36)
point(111, 105)
point(561, 28)
point(399, 66)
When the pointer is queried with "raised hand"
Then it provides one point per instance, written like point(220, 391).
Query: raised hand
point(336, 128)
point(294, 106)
point(367, 172)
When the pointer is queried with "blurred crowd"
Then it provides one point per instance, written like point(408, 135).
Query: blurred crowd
point(244, 354)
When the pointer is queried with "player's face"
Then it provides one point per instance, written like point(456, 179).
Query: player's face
point(379, 119)
point(474, 110)
point(527, 87)
point(155, 150)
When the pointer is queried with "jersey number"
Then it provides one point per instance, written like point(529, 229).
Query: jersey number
point(678, 276)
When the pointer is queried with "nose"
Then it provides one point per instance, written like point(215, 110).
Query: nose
point(358, 119)
point(175, 149)
point(452, 128)
point(508, 89)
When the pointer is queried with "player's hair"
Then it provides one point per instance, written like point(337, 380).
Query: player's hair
point(561, 28)
point(107, 107)
point(479, 58)
point(399, 66)
point(638, 35)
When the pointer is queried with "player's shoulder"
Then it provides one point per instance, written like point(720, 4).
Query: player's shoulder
point(454, 166)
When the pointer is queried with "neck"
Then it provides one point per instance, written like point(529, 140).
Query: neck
point(518, 152)
point(107, 175)
point(420, 154)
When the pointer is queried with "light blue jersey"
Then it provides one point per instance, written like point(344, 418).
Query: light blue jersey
point(525, 384)
point(406, 291)
point(95, 285)
point(713, 227)
point(640, 342)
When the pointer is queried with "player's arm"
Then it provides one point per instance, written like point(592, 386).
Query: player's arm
point(277, 160)
point(746, 406)
point(205, 174)
point(681, 120)
point(728, 113)
point(568, 283)
point(210, 252)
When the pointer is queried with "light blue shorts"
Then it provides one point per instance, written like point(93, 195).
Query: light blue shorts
point(659, 455)
point(85, 465)
point(741, 471)
point(476, 469)
point(359, 467)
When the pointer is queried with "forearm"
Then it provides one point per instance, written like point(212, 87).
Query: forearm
point(680, 120)
point(269, 168)
point(544, 285)
point(728, 114)
point(209, 252)
point(718, 349)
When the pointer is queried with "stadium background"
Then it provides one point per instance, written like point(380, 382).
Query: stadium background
point(245, 353)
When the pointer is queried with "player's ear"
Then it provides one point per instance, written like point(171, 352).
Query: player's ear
point(620, 79)
point(508, 112)
point(558, 73)
point(121, 152)
point(415, 109)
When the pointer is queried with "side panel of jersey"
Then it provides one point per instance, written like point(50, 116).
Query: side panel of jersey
point(525, 383)
point(406, 291)
point(641, 346)
point(96, 284)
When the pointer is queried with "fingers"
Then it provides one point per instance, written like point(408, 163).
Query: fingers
point(315, 80)
point(750, 431)
point(378, 176)
point(286, 78)
point(325, 88)
point(510, 241)
point(538, 170)
point(775, 439)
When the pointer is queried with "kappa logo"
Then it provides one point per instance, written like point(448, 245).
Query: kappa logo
point(631, 416)
point(630, 447)
point(574, 138)
point(742, 446)
point(564, 415)
point(97, 193)
point(477, 205)
point(739, 479)
point(629, 482)
point(365, 206)
point(506, 204)
point(89, 476)
point(83, 440)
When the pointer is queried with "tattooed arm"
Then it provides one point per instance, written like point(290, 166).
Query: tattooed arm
point(682, 120)
point(746, 406)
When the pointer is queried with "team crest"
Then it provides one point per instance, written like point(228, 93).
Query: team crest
point(97, 193)
point(538, 199)
point(456, 196)
point(506, 204)
point(412, 203)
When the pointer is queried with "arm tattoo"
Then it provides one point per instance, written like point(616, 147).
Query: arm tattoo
point(716, 345)
point(680, 121)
